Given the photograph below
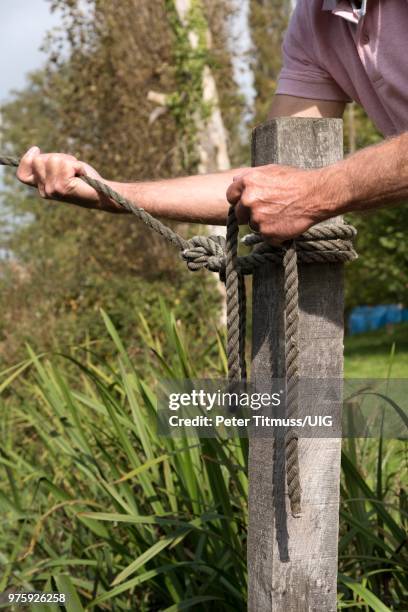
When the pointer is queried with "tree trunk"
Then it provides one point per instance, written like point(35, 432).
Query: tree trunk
point(211, 132)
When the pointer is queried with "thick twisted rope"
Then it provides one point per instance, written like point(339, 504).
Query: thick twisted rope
point(292, 374)
point(328, 243)
point(232, 286)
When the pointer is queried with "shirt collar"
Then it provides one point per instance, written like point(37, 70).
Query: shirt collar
point(346, 9)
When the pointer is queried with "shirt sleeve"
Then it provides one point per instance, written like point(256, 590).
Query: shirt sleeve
point(302, 74)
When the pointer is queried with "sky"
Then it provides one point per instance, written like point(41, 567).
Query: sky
point(240, 47)
point(23, 25)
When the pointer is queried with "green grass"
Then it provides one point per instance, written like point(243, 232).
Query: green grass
point(94, 500)
point(373, 486)
point(95, 503)
point(368, 355)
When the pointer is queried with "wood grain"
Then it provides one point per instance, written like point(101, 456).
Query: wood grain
point(293, 562)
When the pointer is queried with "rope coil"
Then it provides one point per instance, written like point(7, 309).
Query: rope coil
point(322, 244)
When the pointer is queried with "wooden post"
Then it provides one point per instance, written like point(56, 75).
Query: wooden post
point(293, 561)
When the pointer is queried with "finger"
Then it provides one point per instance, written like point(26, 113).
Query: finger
point(271, 237)
point(80, 170)
point(25, 169)
point(61, 176)
point(243, 173)
point(39, 175)
point(242, 213)
point(235, 191)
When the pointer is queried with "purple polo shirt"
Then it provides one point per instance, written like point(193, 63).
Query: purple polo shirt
point(332, 51)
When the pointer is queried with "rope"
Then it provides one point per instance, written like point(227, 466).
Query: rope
point(323, 244)
point(292, 374)
point(232, 287)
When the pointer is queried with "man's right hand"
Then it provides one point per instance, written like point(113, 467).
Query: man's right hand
point(56, 176)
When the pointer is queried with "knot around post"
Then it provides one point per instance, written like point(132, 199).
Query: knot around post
point(323, 244)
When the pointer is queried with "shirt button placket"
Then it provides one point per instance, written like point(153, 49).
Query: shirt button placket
point(362, 39)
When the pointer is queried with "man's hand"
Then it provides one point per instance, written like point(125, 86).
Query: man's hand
point(56, 176)
point(280, 202)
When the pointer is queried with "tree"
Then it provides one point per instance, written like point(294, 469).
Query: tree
point(380, 275)
point(92, 100)
point(268, 21)
point(196, 102)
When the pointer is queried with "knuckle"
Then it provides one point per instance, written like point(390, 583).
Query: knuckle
point(256, 220)
point(65, 163)
point(37, 163)
point(257, 217)
point(263, 228)
point(247, 181)
point(50, 190)
point(247, 198)
point(54, 158)
point(59, 188)
point(66, 158)
point(253, 175)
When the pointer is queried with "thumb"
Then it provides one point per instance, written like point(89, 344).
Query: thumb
point(31, 153)
point(235, 190)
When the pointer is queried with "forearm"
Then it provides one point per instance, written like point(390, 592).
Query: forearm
point(194, 199)
point(372, 178)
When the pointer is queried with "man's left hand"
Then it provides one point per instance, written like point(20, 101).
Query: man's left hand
point(280, 202)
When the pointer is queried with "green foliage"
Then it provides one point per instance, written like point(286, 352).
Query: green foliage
point(380, 275)
point(143, 521)
point(359, 130)
point(268, 22)
point(93, 499)
point(377, 354)
point(189, 63)
point(200, 41)
point(374, 514)
point(373, 558)
point(52, 314)
point(92, 102)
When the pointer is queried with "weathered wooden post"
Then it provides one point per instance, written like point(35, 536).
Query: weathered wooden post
point(293, 561)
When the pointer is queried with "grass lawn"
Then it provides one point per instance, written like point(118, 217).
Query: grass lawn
point(369, 355)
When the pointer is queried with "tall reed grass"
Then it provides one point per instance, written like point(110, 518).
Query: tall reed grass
point(95, 504)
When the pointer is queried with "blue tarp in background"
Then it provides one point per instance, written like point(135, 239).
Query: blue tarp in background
point(367, 318)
